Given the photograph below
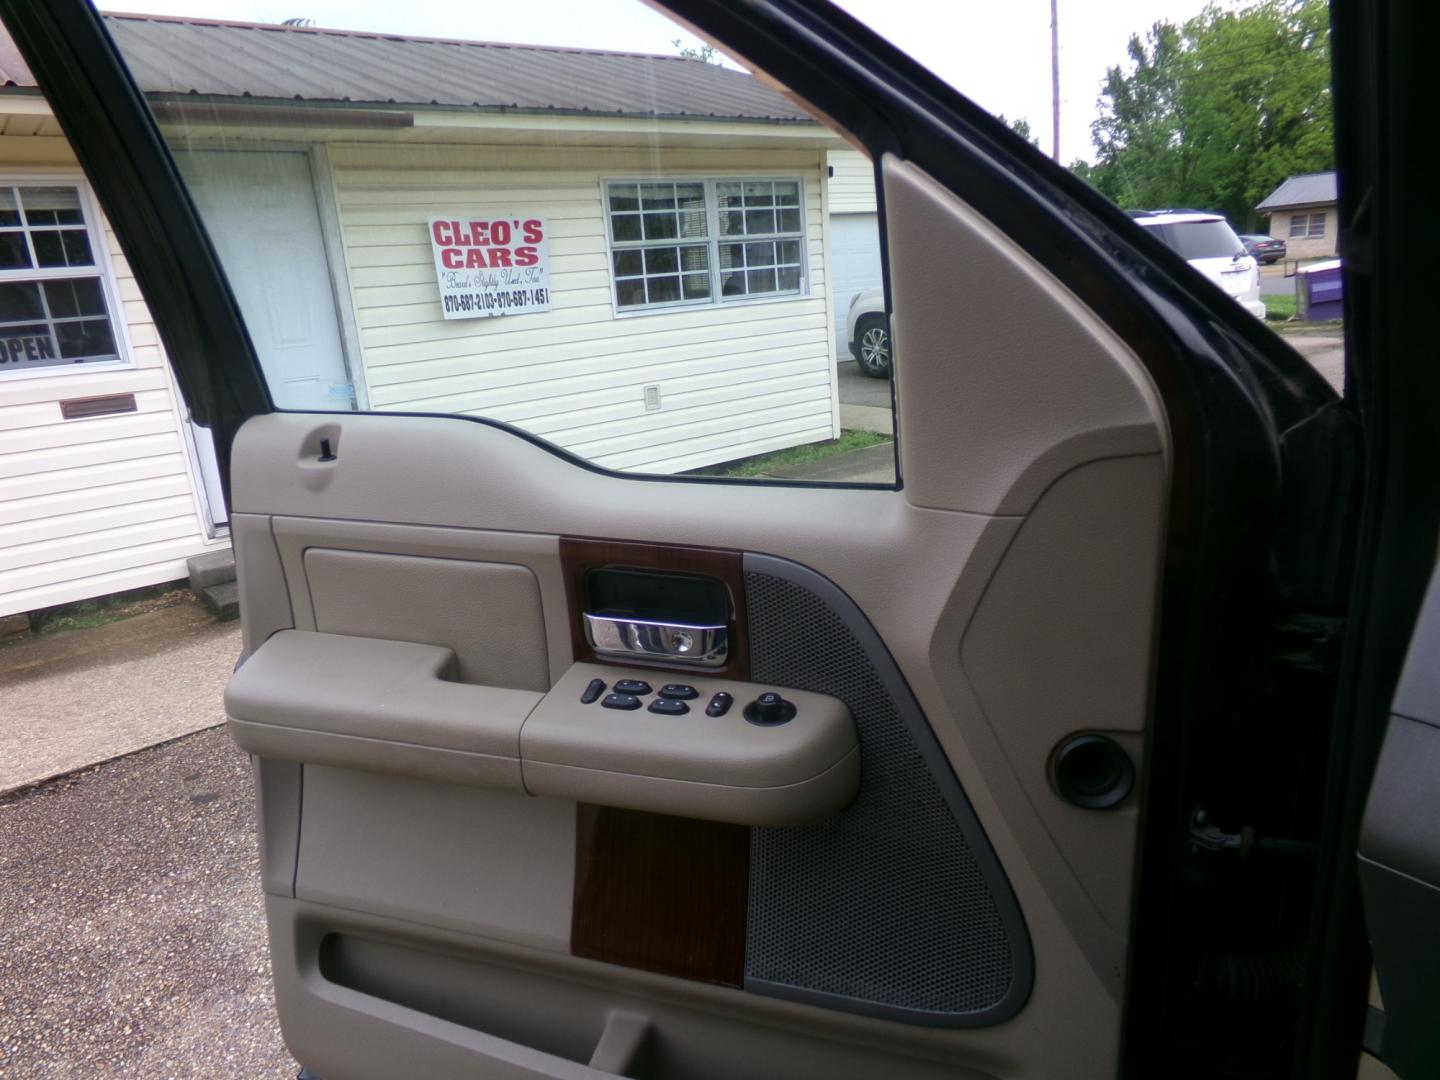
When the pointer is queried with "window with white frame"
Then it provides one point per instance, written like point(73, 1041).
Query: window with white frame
point(694, 242)
point(1307, 226)
point(53, 307)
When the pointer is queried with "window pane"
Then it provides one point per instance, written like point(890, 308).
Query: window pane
point(88, 339)
point(624, 197)
point(20, 301)
point(23, 346)
point(77, 296)
point(665, 290)
point(759, 254)
point(51, 205)
point(660, 227)
point(657, 196)
point(759, 221)
point(630, 292)
point(68, 247)
point(662, 260)
point(14, 255)
point(626, 226)
point(660, 200)
point(761, 281)
point(9, 209)
point(695, 258)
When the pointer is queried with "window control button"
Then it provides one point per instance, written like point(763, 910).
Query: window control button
point(679, 691)
point(668, 707)
point(719, 704)
point(593, 691)
point(621, 701)
point(632, 686)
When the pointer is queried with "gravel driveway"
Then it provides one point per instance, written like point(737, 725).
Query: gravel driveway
point(132, 937)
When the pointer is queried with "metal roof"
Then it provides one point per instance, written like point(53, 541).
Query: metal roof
point(1307, 189)
point(188, 57)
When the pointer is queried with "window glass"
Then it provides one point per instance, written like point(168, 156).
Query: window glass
point(53, 310)
point(1201, 239)
point(618, 241)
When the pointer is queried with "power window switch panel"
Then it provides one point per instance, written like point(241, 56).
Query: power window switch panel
point(621, 701)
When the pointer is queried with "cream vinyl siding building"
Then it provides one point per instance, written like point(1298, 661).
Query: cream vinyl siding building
point(732, 379)
point(96, 504)
point(318, 190)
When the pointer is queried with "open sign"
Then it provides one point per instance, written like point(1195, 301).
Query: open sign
point(497, 265)
point(26, 348)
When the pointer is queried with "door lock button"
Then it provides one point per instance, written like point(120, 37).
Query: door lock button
point(593, 691)
point(667, 707)
point(719, 704)
point(679, 691)
point(632, 686)
point(620, 701)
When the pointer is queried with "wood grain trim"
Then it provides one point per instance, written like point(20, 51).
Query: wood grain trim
point(662, 894)
point(578, 556)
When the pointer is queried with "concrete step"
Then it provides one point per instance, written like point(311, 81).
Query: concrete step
point(223, 599)
point(212, 568)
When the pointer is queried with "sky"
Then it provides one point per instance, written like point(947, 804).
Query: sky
point(997, 52)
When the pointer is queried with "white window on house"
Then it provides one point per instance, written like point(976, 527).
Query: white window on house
point(697, 242)
point(1307, 226)
point(53, 306)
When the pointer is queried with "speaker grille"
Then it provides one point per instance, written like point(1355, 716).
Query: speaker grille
point(885, 903)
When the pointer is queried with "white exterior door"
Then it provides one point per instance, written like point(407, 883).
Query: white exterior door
point(259, 208)
point(854, 264)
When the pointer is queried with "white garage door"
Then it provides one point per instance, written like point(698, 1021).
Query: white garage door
point(855, 265)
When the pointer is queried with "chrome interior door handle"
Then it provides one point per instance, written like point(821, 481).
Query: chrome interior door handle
point(629, 638)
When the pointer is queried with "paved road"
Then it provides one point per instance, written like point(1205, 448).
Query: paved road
point(75, 697)
point(132, 940)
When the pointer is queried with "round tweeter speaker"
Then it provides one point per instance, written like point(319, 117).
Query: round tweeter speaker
point(1092, 772)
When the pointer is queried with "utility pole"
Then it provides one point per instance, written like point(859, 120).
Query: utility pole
point(1055, 79)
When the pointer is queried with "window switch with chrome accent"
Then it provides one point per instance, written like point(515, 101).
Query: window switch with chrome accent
point(668, 707)
point(621, 701)
point(593, 691)
point(719, 704)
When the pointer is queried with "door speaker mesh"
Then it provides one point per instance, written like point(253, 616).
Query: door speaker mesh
point(896, 906)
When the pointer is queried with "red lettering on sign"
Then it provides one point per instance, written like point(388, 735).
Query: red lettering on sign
point(451, 258)
point(527, 256)
point(533, 233)
point(500, 232)
point(475, 260)
point(440, 232)
point(499, 257)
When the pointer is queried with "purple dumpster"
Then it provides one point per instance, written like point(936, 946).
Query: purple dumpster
point(1318, 291)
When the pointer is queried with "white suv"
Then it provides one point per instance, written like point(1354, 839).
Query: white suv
point(1207, 243)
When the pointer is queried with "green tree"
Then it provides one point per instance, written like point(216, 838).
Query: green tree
point(703, 52)
point(1020, 126)
point(1213, 114)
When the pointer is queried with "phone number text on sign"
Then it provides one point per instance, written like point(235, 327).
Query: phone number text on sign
point(491, 266)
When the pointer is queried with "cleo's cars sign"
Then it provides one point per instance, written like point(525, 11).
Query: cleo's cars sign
point(496, 265)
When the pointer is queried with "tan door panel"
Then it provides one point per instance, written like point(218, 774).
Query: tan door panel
point(1010, 584)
